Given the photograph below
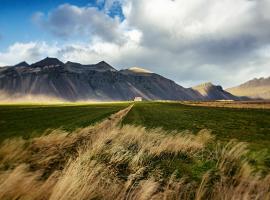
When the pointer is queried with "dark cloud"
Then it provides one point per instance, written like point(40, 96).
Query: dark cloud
point(194, 42)
point(72, 21)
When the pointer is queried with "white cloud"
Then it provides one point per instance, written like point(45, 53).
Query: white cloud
point(79, 52)
point(187, 36)
point(30, 52)
point(226, 42)
point(180, 24)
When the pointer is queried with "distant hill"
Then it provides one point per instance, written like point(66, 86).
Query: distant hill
point(50, 78)
point(256, 88)
point(210, 92)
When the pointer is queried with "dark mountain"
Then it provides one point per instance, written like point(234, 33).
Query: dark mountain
point(74, 81)
point(22, 64)
point(77, 67)
point(258, 88)
point(48, 62)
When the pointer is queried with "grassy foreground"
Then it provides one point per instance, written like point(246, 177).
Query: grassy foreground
point(108, 161)
point(114, 159)
point(29, 120)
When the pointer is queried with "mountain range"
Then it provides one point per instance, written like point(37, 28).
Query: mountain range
point(72, 81)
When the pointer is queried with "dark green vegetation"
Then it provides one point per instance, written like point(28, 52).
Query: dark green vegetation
point(32, 120)
point(131, 156)
point(246, 125)
point(250, 125)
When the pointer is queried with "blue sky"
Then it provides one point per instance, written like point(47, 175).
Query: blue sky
point(16, 18)
point(195, 41)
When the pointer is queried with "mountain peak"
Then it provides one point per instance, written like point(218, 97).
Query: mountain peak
point(210, 91)
point(204, 85)
point(103, 62)
point(47, 62)
point(22, 64)
point(102, 65)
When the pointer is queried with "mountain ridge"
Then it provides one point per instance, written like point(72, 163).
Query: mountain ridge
point(48, 62)
point(210, 91)
point(257, 88)
point(73, 81)
point(22, 64)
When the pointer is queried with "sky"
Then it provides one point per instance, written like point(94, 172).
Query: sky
point(224, 42)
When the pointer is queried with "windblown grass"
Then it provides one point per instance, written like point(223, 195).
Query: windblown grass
point(107, 161)
point(245, 125)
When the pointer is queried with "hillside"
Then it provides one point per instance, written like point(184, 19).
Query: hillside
point(210, 92)
point(256, 88)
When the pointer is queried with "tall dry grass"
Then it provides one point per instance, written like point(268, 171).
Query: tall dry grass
point(107, 161)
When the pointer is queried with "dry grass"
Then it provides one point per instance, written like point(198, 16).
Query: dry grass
point(107, 161)
point(263, 104)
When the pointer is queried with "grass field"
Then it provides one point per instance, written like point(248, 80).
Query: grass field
point(260, 104)
point(250, 125)
point(26, 120)
point(108, 161)
point(134, 162)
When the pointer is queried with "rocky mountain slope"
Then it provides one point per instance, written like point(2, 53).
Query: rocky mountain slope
point(210, 92)
point(76, 82)
point(256, 88)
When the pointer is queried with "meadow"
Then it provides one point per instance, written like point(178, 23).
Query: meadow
point(30, 120)
point(147, 150)
point(246, 124)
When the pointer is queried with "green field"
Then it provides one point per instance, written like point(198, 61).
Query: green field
point(245, 125)
point(166, 158)
point(28, 120)
point(248, 125)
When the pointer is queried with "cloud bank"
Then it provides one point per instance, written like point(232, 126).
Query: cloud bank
point(226, 42)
